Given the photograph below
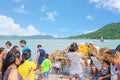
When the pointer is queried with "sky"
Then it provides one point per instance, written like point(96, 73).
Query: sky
point(59, 18)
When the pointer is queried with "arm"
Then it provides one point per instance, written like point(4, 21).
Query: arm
point(104, 77)
point(13, 75)
point(50, 67)
point(107, 76)
point(38, 55)
point(0, 63)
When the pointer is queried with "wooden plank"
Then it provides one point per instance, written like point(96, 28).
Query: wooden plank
point(96, 62)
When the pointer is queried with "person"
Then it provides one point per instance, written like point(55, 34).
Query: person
point(27, 66)
point(2, 54)
point(15, 48)
point(74, 58)
point(116, 59)
point(118, 48)
point(105, 71)
point(40, 57)
point(109, 56)
point(8, 45)
point(46, 67)
point(24, 47)
point(10, 64)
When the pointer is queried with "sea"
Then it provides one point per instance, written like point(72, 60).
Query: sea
point(50, 45)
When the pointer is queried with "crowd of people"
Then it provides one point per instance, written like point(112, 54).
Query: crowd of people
point(110, 69)
point(16, 63)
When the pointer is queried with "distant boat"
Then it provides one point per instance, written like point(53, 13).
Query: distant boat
point(102, 39)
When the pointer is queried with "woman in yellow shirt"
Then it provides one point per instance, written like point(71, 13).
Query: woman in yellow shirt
point(27, 67)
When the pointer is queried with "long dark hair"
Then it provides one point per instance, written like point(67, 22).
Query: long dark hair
point(73, 47)
point(26, 55)
point(10, 59)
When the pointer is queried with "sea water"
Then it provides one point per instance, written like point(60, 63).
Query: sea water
point(50, 45)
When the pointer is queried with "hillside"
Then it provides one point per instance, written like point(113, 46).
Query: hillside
point(27, 37)
point(110, 31)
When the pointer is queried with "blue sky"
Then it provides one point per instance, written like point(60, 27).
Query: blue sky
point(60, 18)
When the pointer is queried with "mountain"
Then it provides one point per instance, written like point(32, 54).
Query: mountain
point(110, 31)
point(27, 37)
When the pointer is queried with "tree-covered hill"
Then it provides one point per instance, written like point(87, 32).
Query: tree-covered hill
point(110, 31)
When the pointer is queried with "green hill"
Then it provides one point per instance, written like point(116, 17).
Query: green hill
point(27, 37)
point(110, 31)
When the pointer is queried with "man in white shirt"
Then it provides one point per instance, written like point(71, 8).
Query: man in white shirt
point(8, 45)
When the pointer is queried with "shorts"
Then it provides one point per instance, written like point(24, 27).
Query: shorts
point(46, 74)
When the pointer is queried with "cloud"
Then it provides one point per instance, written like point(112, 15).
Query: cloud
point(63, 30)
point(85, 32)
point(89, 17)
point(8, 27)
point(17, 1)
point(50, 16)
point(43, 8)
point(112, 5)
point(21, 9)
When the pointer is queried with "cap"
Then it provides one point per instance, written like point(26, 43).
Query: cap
point(112, 52)
point(118, 48)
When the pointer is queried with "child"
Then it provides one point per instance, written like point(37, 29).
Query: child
point(46, 67)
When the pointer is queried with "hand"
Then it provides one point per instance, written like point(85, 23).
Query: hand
point(117, 56)
point(100, 78)
point(50, 71)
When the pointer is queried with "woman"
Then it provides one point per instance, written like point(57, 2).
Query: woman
point(10, 64)
point(74, 58)
point(15, 48)
point(2, 54)
point(27, 67)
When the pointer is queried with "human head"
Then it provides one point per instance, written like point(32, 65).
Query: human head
point(109, 56)
point(46, 56)
point(22, 43)
point(13, 58)
point(16, 48)
point(26, 55)
point(2, 51)
point(39, 46)
point(8, 44)
point(118, 48)
point(73, 47)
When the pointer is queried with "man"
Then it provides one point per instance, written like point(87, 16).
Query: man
point(8, 45)
point(40, 57)
point(113, 68)
point(24, 47)
point(118, 48)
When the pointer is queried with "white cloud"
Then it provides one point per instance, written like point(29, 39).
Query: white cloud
point(50, 16)
point(8, 27)
point(89, 17)
point(21, 9)
point(89, 31)
point(17, 1)
point(112, 5)
point(43, 8)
